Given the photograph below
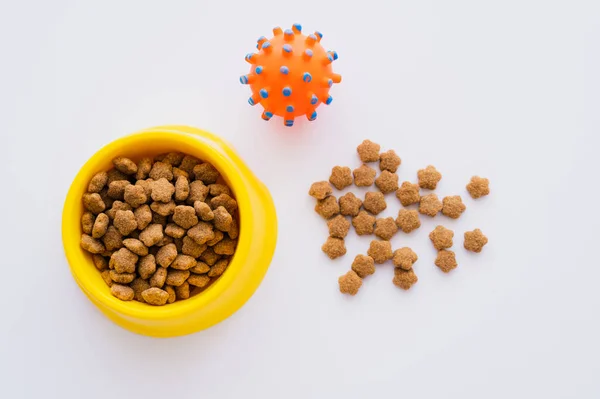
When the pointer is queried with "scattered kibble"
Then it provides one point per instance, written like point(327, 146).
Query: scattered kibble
point(341, 177)
point(380, 251)
point(387, 182)
point(368, 151)
point(446, 260)
point(408, 220)
point(156, 227)
point(363, 223)
point(334, 247)
point(385, 228)
point(408, 193)
point(430, 205)
point(349, 204)
point(350, 283)
point(452, 206)
point(441, 237)
point(327, 207)
point(404, 258)
point(374, 202)
point(475, 241)
point(364, 176)
point(389, 161)
point(478, 187)
point(429, 177)
point(363, 265)
point(404, 278)
point(338, 227)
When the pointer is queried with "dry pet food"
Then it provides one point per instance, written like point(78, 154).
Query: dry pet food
point(385, 228)
point(363, 265)
point(478, 187)
point(341, 177)
point(334, 247)
point(368, 151)
point(327, 207)
point(363, 223)
point(429, 177)
point(404, 278)
point(446, 260)
point(320, 190)
point(430, 205)
point(452, 206)
point(408, 220)
point(374, 202)
point(350, 283)
point(475, 240)
point(408, 193)
point(338, 227)
point(387, 182)
point(404, 258)
point(349, 204)
point(364, 176)
point(155, 227)
point(380, 251)
point(389, 161)
point(441, 237)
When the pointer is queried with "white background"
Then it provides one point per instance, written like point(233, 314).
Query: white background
point(504, 89)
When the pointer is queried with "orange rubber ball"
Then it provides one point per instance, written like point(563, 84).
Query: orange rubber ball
point(291, 74)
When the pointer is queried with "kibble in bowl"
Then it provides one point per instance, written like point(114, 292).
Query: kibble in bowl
point(118, 265)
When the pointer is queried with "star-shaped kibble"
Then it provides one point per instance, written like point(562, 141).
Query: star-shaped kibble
point(478, 187)
point(475, 240)
point(389, 161)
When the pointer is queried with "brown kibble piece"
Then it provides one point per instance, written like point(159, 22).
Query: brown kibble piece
point(172, 296)
point(408, 193)
point(385, 228)
point(112, 239)
point(334, 247)
point(404, 258)
point(143, 216)
point(475, 240)
point(188, 163)
point(159, 219)
point(139, 285)
point(164, 241)
point(190, 247)
point(151, 234)
point(98, 182)
point(387, 182)
point(430, 205)
point(123, 261)
point(136, 246)
point(106, 277)
point(143, 168)
point(203, 211)
point(198, 280)
point(121, 278)
point(93, 203)
point(183, 291)
point(389, 161)
point(125, 222)
point(173, 158)
point(218, 189)
point(100, 225)
point(225, 201)
point(234, 230)
point(478, 187)
point(182, 188)
point(125, 165)
point(114, 175)
point(349, 204)
point(175, 231)
point(92, 245)
point(223, 220)
point(177, 173)
point(209, 256)
point(116, 189)
point(218, 268)
point(327, 207)
point(198, 192)
point(200, 268)
point(146, 185)
point(368, 151)
point(201, 233)
point(135, 195)
point(166, 255)
point(341, 177)
point(185, 216)
point(364, 176)
point(147, 266)
point(100, 262)
point(183, 262)
point(429, 177)
point(380, 251)
point(408, 220)
point(117, 206)
point(206, 173)
point(177, 277)
point(374, 202)
point(338, 227)
point(87, 222)
point(441, 237)
point(122, 292)
point(225, 247)
point(363, 223)
point(163, 208)
point(404, 278)
point(162, 190)
point(155, 296)
point(218, 237)
point(452, 206)
point(159, 277)
point(363, 265)
point(446, 260)
point(320, 190)
point(161, 170)
point(350, 283)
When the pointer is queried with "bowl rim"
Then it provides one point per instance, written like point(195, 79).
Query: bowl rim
point(199, 145)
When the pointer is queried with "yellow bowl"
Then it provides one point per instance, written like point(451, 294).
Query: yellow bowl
point(256, 242)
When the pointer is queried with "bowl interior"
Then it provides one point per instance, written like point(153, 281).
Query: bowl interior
point(135, 147)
